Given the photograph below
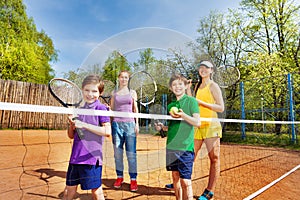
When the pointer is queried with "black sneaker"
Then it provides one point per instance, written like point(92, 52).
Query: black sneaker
point(169, 186)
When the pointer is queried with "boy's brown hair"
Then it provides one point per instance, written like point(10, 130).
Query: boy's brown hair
point(177, 77)
point(93, 79)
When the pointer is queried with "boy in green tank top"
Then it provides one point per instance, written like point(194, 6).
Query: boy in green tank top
point(180, 137)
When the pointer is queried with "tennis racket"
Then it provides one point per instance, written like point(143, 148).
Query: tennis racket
point(109, 86)
point(144, 85)
point(226, 75)
point(162, 133)
point(68, 94)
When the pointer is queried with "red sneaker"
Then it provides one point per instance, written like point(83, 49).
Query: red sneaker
point(133, 186)
point(118, 183)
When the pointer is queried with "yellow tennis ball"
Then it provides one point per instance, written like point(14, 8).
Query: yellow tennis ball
point(174, 110)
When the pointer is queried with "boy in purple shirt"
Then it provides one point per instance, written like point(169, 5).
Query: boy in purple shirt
point(85, 165)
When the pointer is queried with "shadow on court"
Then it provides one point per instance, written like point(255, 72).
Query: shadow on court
point(47, 173)
point(125, 193)
point(110, 192)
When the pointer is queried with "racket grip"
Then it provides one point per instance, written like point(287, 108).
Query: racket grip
point(162, 133)
point(78, 130)
point(80, 133)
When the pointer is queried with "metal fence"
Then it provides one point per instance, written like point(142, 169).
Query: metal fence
point(268, 100)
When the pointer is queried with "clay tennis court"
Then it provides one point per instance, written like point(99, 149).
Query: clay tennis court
point(33, 165)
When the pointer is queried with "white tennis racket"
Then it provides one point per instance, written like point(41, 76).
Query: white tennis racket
point(144, 85)
point(226, 75)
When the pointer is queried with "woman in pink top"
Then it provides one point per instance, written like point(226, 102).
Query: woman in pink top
point(125, 130)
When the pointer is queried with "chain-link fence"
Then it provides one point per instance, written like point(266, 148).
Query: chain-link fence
point(271, 100)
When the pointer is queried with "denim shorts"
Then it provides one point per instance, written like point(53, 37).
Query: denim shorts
point(181, 161)
point(88, 176)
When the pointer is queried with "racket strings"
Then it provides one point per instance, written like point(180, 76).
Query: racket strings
point(226, 76)
point(109, 87)
point(144, 86)
point(66, 92)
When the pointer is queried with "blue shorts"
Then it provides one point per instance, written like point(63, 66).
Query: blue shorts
point(181, 161)
point(88, 176)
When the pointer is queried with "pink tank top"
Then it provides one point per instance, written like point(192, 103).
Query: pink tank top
point(123, 103)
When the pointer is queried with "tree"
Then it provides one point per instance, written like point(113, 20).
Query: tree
point(273, 25)
point(114, 65)
point(25, 53)
point(271, 30)
point(221, 41)
point(262, 39)
point(146, 58)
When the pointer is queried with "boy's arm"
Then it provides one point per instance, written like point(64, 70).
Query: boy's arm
point(107, 127)
point(161, 128)
point(71, 128)
point(193, 120)
point(104, 130)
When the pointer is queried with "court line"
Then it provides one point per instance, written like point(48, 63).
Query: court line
point(271, 184)
point(63, 110)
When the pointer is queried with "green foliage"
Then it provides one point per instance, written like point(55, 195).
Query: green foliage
point(25, 53)
point(79, 74)
point(273, 26)
point(114, 65)
point(261, 38)
point(146, 59)
point(272, 71)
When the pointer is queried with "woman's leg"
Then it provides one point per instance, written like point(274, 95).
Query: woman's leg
point(130, 146)
point(118, 143)
point(213, 147)
point(197, 146)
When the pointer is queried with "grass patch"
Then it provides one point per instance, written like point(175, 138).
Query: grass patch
point(261, 139)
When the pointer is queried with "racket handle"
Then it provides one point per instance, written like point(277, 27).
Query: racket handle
point(80, 133)
point(162, 133)
point(78, 130)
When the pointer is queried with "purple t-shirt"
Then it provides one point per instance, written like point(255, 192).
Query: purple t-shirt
point(89, 149)
point(123, 103)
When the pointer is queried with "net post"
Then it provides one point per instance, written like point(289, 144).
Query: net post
point(291, 107)
point(147, 111)
point(164, 104)
point(242, 95)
